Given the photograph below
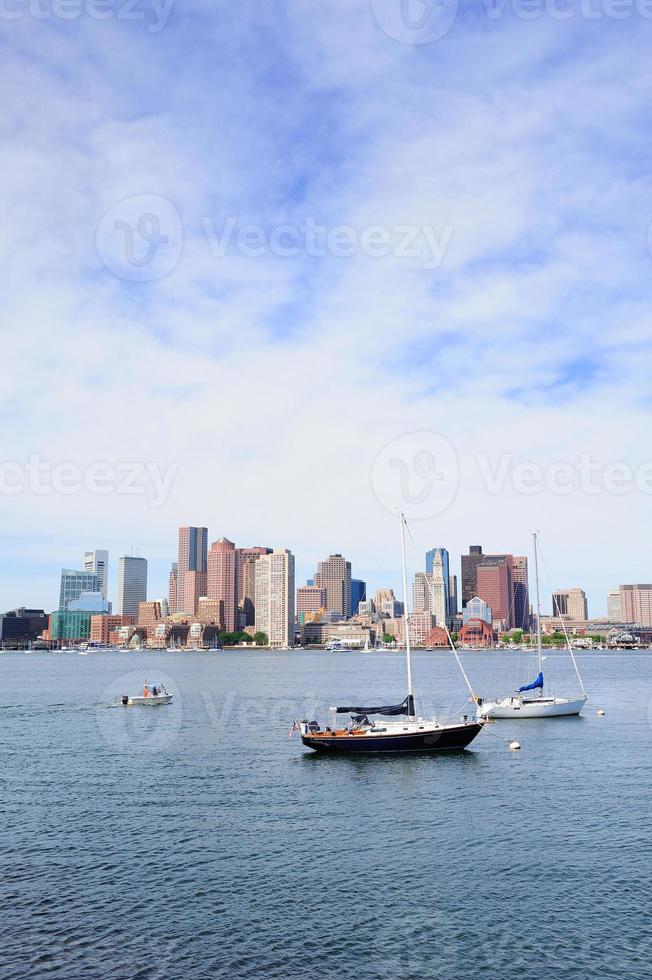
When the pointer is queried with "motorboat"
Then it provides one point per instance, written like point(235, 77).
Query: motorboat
point(151, 697)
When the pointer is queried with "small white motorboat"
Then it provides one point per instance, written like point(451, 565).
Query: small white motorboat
point(151, 696)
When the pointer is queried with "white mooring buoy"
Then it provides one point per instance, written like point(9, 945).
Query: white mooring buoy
point(514, 746)
point(600, 711)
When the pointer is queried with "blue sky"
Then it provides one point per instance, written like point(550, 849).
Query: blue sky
point(272, 382)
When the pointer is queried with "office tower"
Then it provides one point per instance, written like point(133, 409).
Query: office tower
point(245, 573)
point(22, 625)
point(222, 586)
point(173, 587)
point(311, 599)
point(192, 568)
point(90, 602)
point(521, 592)
point(358, 594)
point(476, 608)
point(73, 583)
point(334, 575)
point(275, 597)
point(570, 603)
point(636, 604)
point(452, 596)
point(614, 608)
point(429, 594)
point(496, 588)
point(132, 585)
point(97, 562)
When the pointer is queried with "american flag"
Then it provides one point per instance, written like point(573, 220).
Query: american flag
point(293, 728)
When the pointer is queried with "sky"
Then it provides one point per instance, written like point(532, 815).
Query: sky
point(280, 269)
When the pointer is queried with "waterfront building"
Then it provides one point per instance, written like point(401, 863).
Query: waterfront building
point(614, 608)
point(636, 604)
point(311, 599)
point(351, 634)
point(132, 585)
point(421, 625)
point(476, 633)
point(192, 566)
point(103, 627)
point(211, 612)
point(275, 597)
point(394, 628)
point(149, 613)
point(97, 562)
point(67, 625)
point(477, 608)
point(358, 594)
point(570, 604)
point(222, 583)
point(90, 602)
point(334, 575)
point(73, 583)
point(22, 625)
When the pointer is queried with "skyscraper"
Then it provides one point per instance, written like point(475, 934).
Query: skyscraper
point(97, 562)
point(275, 597)
point(73, 583)
point(192, 568)
point(173, 588)
point(636, 604)
point(614, 608)
point(334, 575)
point(245, 573)
point(132, 585)
point(570, 603)
point(441, 557)
point(358, 594)
point(496, 588)
point(221, 585)
point(521, 592)
point(510, 607)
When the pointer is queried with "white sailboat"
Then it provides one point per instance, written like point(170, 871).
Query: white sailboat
point(531, 700)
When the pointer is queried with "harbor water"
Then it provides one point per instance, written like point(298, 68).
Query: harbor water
point(195, 840)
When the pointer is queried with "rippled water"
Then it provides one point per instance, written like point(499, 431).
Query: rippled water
point(196, 841)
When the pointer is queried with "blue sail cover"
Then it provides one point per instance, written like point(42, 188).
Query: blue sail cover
point(531, 687)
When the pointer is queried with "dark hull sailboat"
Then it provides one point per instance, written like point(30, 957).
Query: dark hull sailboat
point(410, 734)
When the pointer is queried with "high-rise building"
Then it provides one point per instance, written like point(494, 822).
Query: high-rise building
point(614, 607)
point(132, 585)
point(73, 583)
point(310, 599)
point(636, 604)
point(97, 562)
point(149, 613)
point(90, 602)
point(245, 573)
point(496, 588)
point(452, 596)
point(358, 594)
point(173, 586)
point(192, 568)
point(429, 594)
point(334, 575)
point(521, 592)
point(570, 603)
point(222, 584)
point(439, 557)
point(275, 597)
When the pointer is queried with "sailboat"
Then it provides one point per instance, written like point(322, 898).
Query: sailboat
point(531, 700)
point(410, 734)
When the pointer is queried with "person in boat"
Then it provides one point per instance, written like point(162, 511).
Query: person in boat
point(154, 691)
point(145, 690)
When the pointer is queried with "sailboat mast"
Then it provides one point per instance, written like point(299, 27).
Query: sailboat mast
point(536, 574)
point(406, 621)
